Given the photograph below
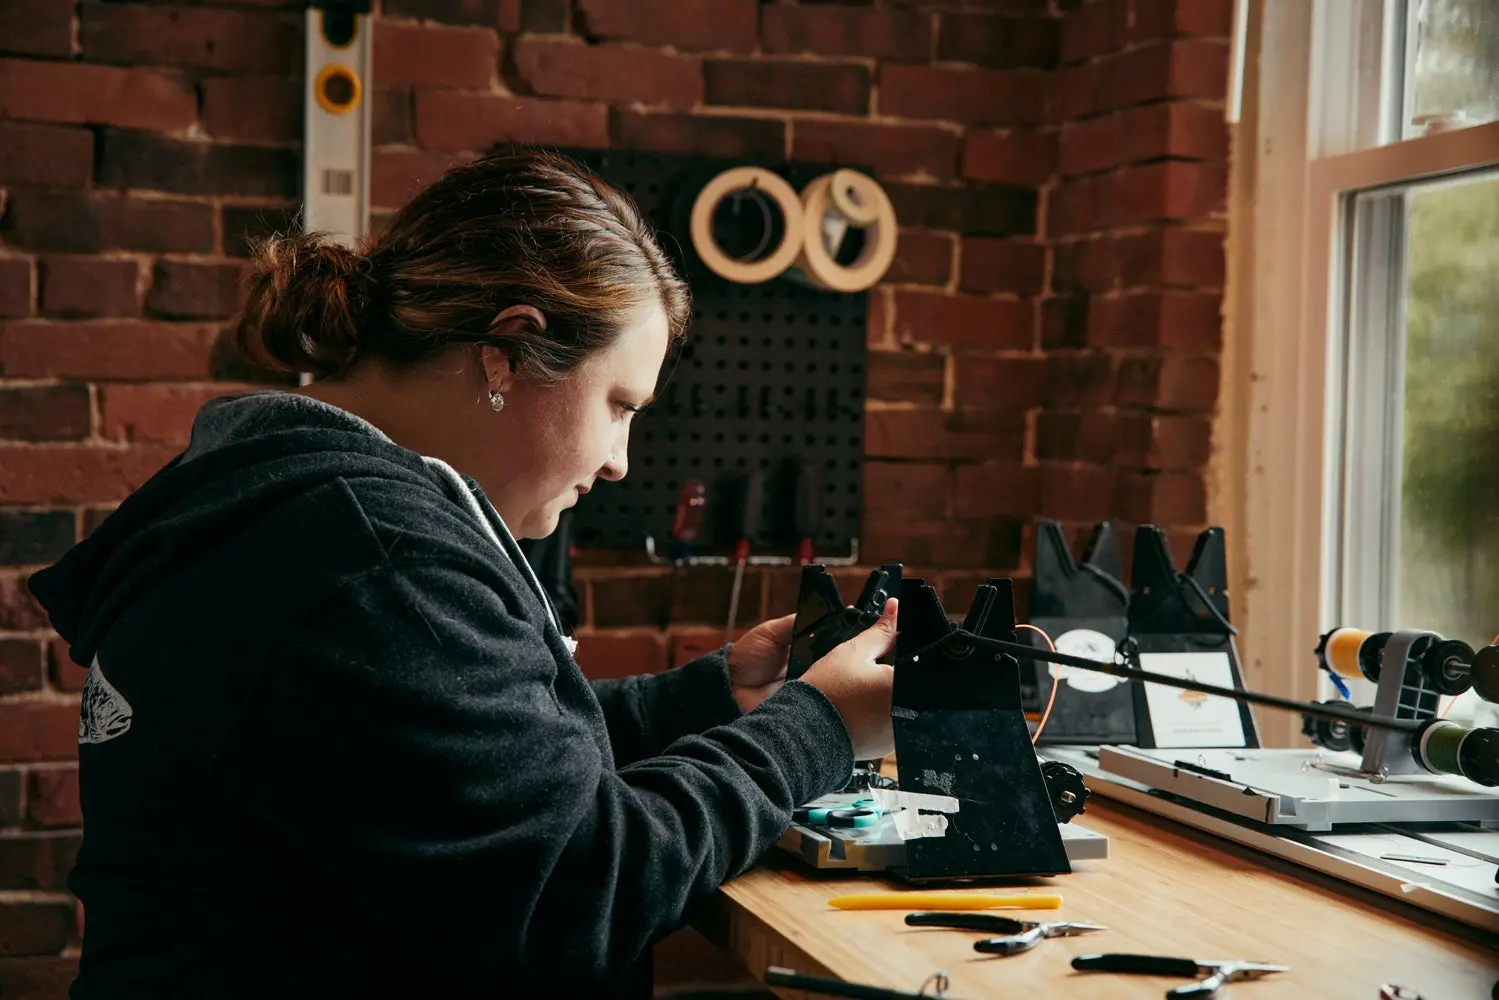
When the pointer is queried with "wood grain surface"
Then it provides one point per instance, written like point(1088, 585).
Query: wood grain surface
point(1164, 890)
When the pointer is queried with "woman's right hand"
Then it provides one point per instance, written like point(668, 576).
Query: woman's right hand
point(859, 687)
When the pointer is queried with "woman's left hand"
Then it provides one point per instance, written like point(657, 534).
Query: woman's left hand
point(757, 661)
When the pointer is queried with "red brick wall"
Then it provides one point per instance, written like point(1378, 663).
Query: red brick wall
point(1046, 344)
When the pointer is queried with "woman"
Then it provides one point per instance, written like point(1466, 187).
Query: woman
point(333, 742)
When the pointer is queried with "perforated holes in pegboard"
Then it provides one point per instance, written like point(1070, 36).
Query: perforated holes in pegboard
point(771, 375)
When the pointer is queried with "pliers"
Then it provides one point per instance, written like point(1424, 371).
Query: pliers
point(1019, 935)
point(1215, 974)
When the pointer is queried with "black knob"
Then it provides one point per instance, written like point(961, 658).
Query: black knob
point(1069, 796)
point(1448, 666)
point(1486, 673)
point(1329, 734)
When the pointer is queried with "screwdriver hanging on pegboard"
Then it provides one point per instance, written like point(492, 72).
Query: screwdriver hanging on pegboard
point(751, 499)
point(687, 525)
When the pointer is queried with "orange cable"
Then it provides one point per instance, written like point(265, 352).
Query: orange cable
point(1055, 678)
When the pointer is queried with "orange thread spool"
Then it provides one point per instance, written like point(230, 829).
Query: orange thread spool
point(1343, 647)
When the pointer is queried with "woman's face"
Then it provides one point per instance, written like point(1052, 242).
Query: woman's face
point(556, 440)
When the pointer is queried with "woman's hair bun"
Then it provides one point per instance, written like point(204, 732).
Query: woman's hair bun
point(309, 300)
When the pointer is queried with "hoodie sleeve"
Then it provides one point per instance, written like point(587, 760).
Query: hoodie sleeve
point(407, 736)
point(645, 714)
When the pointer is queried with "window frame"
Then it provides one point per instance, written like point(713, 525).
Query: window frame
point(1286, 338)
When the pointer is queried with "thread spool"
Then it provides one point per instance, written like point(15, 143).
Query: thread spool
point(1485, 673)
point(823, 222)
point(1352, 652)
point(767, 265)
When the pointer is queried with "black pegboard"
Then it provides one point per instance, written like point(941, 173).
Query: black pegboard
point(770, 375)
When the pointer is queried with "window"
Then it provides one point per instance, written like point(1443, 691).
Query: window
point(1372, 455)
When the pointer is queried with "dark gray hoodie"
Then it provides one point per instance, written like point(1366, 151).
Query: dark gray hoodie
point(334, 744)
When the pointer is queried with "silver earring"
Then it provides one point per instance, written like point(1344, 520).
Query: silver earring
point(496, 401)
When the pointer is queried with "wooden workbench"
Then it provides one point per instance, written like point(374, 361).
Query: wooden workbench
point(1164, 890)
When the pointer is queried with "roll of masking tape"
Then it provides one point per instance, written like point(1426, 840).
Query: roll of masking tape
point(747, 272)
point(855, 196)
point(824, 224)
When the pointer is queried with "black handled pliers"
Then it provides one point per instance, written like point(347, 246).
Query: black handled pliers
point(1213, 975)
point(1019, 935)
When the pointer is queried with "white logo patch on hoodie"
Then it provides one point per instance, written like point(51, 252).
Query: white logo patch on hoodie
point(105, 714)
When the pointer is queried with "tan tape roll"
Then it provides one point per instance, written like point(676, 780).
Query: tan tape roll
point(715, 191)
point(879, 240)
point(855, 196)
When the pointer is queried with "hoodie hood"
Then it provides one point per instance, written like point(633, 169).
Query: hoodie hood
point(248, 454)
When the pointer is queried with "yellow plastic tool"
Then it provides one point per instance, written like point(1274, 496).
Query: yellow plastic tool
point(947, 901)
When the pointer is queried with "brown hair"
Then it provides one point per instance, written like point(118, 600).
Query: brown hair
point(512, 228)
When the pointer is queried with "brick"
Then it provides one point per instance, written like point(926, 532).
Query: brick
point(62, 672)
point(217, 39)
point(126, 349)
point(630, 601)
point(45, 413)
point(1094, 29)
point(187, 289)
point(83, 94)
point(156, 413)
point(254, 108)
point(1158, 72)
point(950, 544)
point(398, 175)
point(141, 160)
point(1069, 93)
point(544, 16)
point(702, 594)
point(1148, 441)
point(39, 860)
point(690, 25)
point(1173, 257)
point(412, 54)
point(921, 258)
point(905, 377)
point(38, 28)
point(31, 538)
point(907, 489)
point(38, 976)
point(1172, 190)
point(79, 222)
point(452, 120)
point(1157, 131)
point(52, 799)
point(701, 135)
point(390, 117)
point(45, 155)
point(20, 666)
point(11, 787)
point(480, 13)
point(828, 30)
point(1172, 319)
point(970, 96)
point(936, 434)
point(1167, 498)
point(1071, 207)
point(76, 475)
point(997, 383)
point(798, 85)
point(990, 265)
point(613, 73)
point(19, 611)
point(1075, 492)
point(15, 287)
point(995, 489)
point(891, 150)
point(89, 287)
point(1090, 265)
point(1154, 19)
point(34, 927)
point(32, 731)
point(1078, 380)
point(245, 224)
point(602, 654)
point(1170, 384)
point(879, 319)
point(1077, 436)
point(998, 42)
point(974, 210)
point(963, 321)
point(1015, 157)
point(1065, 321)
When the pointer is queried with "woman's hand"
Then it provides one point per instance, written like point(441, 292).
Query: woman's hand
point(757, 661)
